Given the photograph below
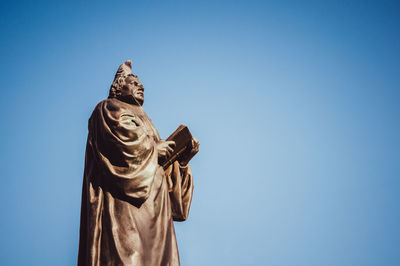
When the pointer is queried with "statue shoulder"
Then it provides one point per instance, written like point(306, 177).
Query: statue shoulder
point(107, 107)
point(110, 105)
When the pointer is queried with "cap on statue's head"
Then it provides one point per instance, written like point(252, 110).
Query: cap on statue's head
point(124, 69)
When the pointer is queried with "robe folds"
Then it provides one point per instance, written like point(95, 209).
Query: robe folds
point(128, 201)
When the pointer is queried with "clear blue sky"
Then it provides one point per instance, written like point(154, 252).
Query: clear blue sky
point(296, 106)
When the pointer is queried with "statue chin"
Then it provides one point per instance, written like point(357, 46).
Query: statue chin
point(131, 100)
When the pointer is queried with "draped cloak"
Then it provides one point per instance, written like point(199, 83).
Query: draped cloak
point(128, 201)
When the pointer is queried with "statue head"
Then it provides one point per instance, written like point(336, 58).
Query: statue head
point(126, 86)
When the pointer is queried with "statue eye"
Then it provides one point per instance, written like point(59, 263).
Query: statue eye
point(135, 83)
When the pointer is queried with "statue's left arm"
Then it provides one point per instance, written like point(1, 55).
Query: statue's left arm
point(180, 187)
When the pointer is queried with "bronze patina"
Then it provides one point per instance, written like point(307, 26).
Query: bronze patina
point(129, 202)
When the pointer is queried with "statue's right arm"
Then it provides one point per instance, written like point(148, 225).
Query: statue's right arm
point(128, 157)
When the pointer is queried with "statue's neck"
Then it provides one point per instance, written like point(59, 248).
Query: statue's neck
point(130, 99)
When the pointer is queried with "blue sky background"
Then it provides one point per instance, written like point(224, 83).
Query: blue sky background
point(296, 106)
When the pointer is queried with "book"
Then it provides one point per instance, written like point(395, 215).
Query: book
point(183, 150)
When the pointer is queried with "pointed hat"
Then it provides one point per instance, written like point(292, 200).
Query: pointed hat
point(124, 69)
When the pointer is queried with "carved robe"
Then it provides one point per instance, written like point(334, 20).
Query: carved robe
point(128, 201)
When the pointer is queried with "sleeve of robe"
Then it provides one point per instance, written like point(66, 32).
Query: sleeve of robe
point(180, 187)
point(126, 156)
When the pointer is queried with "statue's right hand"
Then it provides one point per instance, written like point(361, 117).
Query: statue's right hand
point(165, 148)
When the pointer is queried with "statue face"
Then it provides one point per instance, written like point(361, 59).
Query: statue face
point(132, 90)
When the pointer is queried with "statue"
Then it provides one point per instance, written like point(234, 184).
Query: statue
point(129, 201)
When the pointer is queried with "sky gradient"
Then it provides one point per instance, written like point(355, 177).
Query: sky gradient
point(296, 106)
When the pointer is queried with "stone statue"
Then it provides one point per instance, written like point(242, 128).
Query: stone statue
point(129, 202)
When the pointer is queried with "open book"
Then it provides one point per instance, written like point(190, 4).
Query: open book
point(183, 150)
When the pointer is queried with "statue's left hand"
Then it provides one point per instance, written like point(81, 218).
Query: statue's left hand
point(195, 144)
point(195, 149)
